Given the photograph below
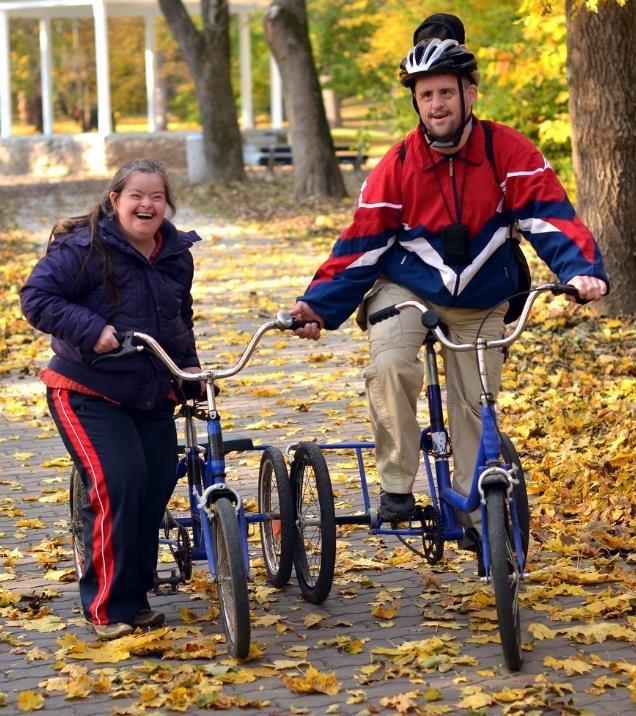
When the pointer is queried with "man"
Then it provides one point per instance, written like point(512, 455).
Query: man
point(434, 223)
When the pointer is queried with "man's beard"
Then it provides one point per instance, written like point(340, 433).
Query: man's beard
point(446, 137)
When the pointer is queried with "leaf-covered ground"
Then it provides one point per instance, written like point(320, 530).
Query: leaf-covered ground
point(568, 401)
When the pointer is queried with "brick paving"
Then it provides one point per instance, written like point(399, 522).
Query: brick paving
point(318, 393)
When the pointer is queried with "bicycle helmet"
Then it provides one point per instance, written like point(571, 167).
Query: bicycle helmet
point(441, 57)
point(435, 56)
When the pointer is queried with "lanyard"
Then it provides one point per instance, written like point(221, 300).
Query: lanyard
point(457, 197)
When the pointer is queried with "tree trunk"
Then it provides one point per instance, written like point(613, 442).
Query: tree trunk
point(316, 169)
point(207, 53)
point(161, 97)
point(602, 83)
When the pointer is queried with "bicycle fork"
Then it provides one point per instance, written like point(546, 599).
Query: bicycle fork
point(439, 446)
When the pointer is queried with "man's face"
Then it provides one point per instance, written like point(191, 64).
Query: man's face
point(439, 104)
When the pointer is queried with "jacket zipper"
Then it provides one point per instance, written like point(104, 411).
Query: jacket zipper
point(451, 173)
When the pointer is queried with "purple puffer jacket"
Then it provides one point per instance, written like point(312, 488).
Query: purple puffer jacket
point(66, 297)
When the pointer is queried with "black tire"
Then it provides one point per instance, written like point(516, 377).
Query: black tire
point(77, 499)
point(315, 520)
point(505, 576)
point(276, 505)
point(510, 457)
point(231, 579)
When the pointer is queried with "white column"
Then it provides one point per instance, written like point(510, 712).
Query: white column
point(104, 122)
point(245, 65)
point(275, 94)
point(45, 76)
point(151, 103)
point(5, 77)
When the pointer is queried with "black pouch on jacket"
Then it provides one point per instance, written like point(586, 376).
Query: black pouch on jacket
point(456, 245)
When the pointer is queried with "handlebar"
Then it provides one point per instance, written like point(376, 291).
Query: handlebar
point(430, 319)
point(133, 341)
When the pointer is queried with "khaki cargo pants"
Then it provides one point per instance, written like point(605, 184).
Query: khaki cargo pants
point(395, 378)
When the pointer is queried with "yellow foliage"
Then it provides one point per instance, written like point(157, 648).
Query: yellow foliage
point(313, 681)
point(29, 701)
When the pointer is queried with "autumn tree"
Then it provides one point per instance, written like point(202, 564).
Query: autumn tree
point(602, 79)
point(207, 52)
point(316, 169)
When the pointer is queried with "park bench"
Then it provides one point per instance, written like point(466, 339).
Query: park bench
point(280, 154)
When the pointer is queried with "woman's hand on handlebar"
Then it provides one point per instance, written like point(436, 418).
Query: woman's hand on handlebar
point(302, 312)
point(107, 340)
point(200, 384)
point(590, 288)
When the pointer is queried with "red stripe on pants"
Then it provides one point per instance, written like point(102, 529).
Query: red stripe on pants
point(101, 553)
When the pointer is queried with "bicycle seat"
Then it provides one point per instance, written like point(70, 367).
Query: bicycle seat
point(230, 444)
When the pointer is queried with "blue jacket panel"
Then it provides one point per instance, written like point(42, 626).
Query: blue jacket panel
point(65, 296)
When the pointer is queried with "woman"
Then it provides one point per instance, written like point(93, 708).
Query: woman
point(123, 266)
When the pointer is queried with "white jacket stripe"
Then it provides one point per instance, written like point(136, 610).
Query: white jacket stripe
point(369, 258)
point(429, 256)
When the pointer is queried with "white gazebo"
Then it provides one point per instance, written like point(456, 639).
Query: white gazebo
point(100, 10)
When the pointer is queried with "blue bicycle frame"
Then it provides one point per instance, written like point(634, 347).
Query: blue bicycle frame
point(489, 469)
point(211, 468)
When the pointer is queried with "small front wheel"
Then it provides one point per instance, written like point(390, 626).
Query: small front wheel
point(315, 540)
point(231, 579)
point(77, 498)
point(277, 509)
point(506, 579)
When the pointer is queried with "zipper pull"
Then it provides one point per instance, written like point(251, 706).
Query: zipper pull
point(450, 166)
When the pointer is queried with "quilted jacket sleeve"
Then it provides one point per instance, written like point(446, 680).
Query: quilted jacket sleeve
point(48, 298)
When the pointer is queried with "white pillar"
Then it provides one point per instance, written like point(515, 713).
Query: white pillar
point(275, 94)
point(5, 77)
point(151, 103)
point(245, 64)
point(104, 121)
point(45, 76)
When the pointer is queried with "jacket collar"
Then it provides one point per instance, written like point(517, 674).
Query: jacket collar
point(473, 152)
point(175, 241)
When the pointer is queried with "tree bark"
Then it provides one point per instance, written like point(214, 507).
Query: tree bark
point(207, 53)
point(316, 169)
point(602, 83)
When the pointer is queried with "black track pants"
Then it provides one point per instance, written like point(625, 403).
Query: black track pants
point(127, 462)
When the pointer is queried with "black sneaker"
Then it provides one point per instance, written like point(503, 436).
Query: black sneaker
point(475, 545)
point(395, 507)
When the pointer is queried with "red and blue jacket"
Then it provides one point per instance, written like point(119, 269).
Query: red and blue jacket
point(414, 193)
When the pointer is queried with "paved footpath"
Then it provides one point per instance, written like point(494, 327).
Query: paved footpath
point(394, 636)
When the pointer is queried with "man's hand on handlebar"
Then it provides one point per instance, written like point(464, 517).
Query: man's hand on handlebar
point(302, 312)
point(590, 288)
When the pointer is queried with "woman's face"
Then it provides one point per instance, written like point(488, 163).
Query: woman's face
point(140, 206)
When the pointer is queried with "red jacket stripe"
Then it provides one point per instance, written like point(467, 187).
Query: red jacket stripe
point(102, 554)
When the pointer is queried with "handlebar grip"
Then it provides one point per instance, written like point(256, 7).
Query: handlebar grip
point(126, 346)
point(566, 288)
point(383, 314)
point(299, 323)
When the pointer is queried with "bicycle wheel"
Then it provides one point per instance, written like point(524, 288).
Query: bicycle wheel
point(231, 579)
point(315, 539)
point(277, 508)
point(505, 576)
point(77, 499)
point(510, 457)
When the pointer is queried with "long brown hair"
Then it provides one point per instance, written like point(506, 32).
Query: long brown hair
point(68, 225)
